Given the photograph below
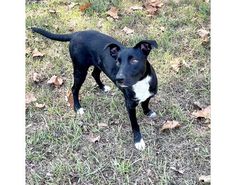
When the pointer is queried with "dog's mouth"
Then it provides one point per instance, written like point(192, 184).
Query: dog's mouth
point(121, 84)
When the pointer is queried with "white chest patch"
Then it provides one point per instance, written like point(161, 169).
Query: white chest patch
point(141, 89)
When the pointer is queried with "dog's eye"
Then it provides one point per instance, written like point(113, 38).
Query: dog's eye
point(133, 61)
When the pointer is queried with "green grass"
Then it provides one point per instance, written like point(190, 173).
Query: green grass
point(57, 149)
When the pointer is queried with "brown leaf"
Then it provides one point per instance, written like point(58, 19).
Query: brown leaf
point(170, 125)
point(204, 34)
point(204, 113)
point(37, 77)
point(136, 7)
point(205, 179)
point(102, 125)
point(151, 10)
point(36, 53)
point(85, 7)
point(69, 99)
point(29, 97)
point(113, 12)
point(57, 81)
point(128, 30)
point(175, 64)
point(38, 105)
point(152, 6)
point(92, 138)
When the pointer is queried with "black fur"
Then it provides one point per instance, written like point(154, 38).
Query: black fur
point(124, 66)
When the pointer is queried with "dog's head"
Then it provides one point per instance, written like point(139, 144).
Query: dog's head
point(131, 61)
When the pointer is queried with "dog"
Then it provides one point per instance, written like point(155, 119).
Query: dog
point(127, 67)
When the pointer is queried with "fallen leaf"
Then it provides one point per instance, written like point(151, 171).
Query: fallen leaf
point(92, 138)
point(170, 125)
point(205, 179)
point(136, 7)
point(204, 113)
point(177, 170)
point(152, 6)
point(175, 64)
point(204, 34)
point(113, 12)
point(102, 125)
point(38, 105)
point(29, 97)
point(36, 53)
point(37, 77)
point(85, 7)
point(69, 99)
point(57, 81)
point(128, 30)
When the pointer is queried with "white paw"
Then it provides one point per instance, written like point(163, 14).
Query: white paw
point(106, 88)
point(152, 115)
point(80, 111)
point(140, 145)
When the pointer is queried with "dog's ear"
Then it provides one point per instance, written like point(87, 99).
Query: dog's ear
point(114, 49)
point(146, 46)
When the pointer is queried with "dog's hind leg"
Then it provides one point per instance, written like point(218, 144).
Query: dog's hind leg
point(96, 75)
point(148, 112)
point(80, 73)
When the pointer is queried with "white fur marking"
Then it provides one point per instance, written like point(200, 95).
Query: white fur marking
point(152, 115)
point(80, 111)
point(106, 88)
point(141, 89)
point(140, 145)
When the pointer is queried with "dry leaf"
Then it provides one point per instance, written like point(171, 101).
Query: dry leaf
point(113, 12)
point(175, 64)
point(85, 7)
point(152, 6)
point(204, 113)
point(170, 125)
point(204, 34)
point(36, 53)
point(69, 99)
point(29, 97)
point(177, 170)
point(38, 105)
point(151, 10)
point(101, 125)
point(136, 7)
point(128, 30)
point(57, 81)
point(93, 138)
point(205, 179)
point(37, 77)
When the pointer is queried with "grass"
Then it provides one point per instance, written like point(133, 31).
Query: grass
point(57, 149)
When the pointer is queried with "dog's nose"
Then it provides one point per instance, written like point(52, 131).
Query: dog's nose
point(120, 78)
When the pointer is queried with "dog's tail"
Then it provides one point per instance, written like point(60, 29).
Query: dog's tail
point(58, 37)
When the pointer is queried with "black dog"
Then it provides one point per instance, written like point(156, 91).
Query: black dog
point(128, 68)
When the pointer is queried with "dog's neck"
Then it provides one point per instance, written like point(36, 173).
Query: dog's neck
point(147, 72)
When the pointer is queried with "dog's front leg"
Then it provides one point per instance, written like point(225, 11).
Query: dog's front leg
point(138, 140)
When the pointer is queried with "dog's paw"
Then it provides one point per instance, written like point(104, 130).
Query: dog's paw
point(106, 88)
point(80, 111)
point(140, 145)
point(152, 114)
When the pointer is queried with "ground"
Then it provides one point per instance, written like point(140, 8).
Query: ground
point(58, 150)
